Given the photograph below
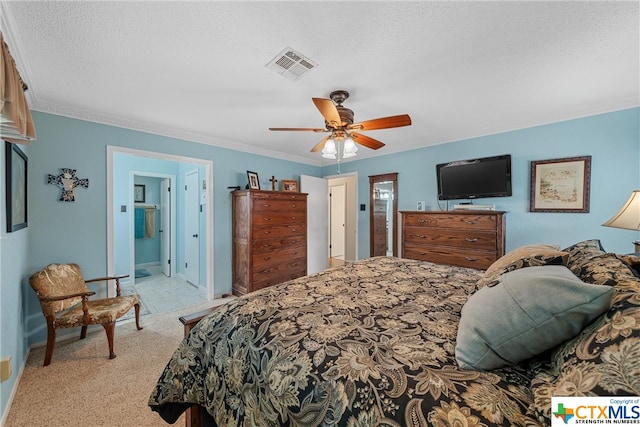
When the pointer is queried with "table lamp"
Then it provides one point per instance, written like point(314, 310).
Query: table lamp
point(628, 217)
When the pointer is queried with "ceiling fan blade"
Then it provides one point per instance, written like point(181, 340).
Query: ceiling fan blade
point(329, 111)
point(303, 129)
point(383, 123)
point(366, 141)
point(320, 145)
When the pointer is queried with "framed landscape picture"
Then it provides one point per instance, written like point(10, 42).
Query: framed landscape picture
point(560, 185)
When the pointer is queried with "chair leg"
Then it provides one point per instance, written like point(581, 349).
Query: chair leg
point(51, 342)
point(137, 308)
point(110, 330)
point(83, 332)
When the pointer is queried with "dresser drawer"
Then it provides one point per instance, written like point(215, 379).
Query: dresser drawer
point(277, 217)
point(277, 273)
point(463, 258)
point(271, 205)
point(266, 259)
point(466, 222)
point(276, 244)
point(471, 239)
point(273, 231)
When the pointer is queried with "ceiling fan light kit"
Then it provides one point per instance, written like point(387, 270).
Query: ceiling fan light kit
point(341, 143)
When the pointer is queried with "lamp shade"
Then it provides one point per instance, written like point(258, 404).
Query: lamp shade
point(329, 151)
point(629, 216)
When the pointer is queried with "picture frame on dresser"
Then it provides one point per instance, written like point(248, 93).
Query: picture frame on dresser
point(289, 185)
point(560, 185)
point(254, 182)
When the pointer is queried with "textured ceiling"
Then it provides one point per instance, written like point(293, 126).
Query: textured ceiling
point(196, 70)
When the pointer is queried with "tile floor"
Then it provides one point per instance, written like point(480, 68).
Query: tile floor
point(161, 294)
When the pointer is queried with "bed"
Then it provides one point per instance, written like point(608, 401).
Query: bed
point(374, 342)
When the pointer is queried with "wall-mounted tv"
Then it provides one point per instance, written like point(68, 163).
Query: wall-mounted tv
point(475, 178)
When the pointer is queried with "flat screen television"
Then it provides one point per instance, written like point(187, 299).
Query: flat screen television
point(475, 178)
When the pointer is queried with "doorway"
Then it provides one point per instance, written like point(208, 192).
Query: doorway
point(120, 162)
point(154, 242)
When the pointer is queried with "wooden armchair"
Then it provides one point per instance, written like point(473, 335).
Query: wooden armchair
point(64, 298)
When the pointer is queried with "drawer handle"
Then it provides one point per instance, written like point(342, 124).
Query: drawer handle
point(468, 258)
point(267, 258)
point(422, 221)
point(475, 239)
point(294, 229)
point(266, 232)
point(293, 217)
point(267, 205)
point(267, 219)
point(471, 222)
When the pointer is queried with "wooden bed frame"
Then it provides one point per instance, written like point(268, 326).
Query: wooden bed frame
point(193, 416)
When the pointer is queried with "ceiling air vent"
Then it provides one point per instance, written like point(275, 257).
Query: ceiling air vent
point(291, 64)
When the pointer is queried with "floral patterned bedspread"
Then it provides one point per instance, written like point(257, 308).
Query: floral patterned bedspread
point(367, 344)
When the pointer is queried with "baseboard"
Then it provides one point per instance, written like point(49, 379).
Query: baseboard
point(14, 389)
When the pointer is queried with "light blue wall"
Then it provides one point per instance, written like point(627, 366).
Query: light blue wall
point(77, 231)
point(14, 263)
point(613, 141)
point(60, 232)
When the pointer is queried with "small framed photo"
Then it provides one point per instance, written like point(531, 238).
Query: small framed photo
point(139, 193)
point(16, 187)
point(254, 182)
point(560, 185)
point(420, 206)
point(290, 185)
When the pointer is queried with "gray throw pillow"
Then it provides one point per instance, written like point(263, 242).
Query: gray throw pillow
point(526, 312)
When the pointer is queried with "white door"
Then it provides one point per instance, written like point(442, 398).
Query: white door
point(337, 216)
point(317, 222)
point(165, 226)
point(192, 229)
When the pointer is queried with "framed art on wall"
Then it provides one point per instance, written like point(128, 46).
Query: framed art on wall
point(560, 185)
point(16, 187)
point(139, 193)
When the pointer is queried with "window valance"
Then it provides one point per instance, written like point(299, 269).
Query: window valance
point(16, 123)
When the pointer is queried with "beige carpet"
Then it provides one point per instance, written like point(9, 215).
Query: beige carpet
point(82, 387)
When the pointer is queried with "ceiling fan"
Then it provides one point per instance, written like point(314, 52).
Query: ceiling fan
point(339, 121)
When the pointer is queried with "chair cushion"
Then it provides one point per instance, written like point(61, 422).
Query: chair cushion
point(526, 313)
point(100, 311)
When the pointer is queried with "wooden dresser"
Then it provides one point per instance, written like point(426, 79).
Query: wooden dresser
point(269, 238)
point(463, 237)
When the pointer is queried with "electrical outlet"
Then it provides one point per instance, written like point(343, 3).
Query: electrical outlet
point(5, 368)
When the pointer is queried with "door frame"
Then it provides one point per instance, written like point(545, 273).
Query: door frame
point(208, 207)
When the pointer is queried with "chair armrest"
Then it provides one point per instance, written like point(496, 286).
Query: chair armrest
point(101, 279)
point(105, 279)
point(63, 297)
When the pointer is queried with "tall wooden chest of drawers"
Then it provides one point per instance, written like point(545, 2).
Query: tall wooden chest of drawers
point(269, 238)
point(464, 238)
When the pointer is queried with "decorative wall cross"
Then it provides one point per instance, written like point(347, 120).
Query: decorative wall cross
point(273, 183)
point(68, 181)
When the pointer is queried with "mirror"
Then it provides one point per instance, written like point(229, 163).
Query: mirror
point(383, 214)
